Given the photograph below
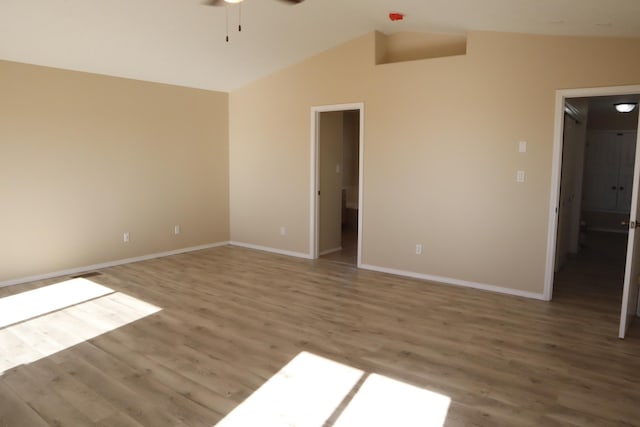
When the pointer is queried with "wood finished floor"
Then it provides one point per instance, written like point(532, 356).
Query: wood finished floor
point(349, 252)
point(232, 317)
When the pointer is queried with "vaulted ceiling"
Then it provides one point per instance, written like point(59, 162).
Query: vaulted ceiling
point(182, 42)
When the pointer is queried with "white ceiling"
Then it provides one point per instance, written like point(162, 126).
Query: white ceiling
point(182, 42)
point(606, 104)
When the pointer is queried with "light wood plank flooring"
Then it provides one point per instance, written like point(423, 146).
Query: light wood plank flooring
point(593, 280)
point(231, 318)
point(349, 252)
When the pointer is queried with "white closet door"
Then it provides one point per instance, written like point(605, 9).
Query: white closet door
point(631, 289)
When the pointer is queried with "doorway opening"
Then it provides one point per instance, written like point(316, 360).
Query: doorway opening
point(336, 193)
point(592, 262)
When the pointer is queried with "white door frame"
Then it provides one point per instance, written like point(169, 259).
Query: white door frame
point(315, 179)
point(630, 271)
point(556, 167)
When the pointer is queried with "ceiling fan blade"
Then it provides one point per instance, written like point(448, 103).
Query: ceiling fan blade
point(222, 2)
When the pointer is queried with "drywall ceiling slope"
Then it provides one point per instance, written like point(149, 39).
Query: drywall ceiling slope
point(182, 42)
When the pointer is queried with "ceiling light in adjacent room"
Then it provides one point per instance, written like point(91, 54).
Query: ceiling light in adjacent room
point(626, 107)
point(233, 1)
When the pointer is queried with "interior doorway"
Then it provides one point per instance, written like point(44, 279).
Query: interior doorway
point(337, 183)
point(593, 258)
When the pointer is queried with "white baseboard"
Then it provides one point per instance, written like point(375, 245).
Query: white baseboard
point(84, 269)
point(428, 277)
point(330, 251)
point(272, 250)
point(455, 282)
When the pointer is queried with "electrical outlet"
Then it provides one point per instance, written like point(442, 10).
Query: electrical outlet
point(283, 231)
point(125, 237)
point(419, 249)
point(176, 229)
point(520, 176)
point(522, 146)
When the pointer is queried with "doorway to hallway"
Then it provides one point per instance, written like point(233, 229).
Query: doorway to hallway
point(337, 183)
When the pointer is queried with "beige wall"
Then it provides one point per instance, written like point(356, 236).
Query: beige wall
point(84, 158)
point(330, 165)
point(440, 151)
point(350, 157)
point(399, 47)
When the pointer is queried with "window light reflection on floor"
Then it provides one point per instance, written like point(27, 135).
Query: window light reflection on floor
point(302, 394)
point(308, 391)
point(25, 305)
point(70, 320)
point(382, 401)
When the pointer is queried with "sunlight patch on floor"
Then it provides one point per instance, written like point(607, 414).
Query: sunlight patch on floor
point(309, 390)
point(382, 401)
point(303, 393)
point(29, 304)
point(28, 341)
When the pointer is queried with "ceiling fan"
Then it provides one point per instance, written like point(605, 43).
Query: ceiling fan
point(222, 2)
point(239, 3)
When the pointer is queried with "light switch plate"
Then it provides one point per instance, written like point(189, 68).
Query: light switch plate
point(522, 146)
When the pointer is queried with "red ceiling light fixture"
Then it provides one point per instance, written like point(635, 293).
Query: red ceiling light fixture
point(396, 16)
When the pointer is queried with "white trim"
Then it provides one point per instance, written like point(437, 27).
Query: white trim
point(272, 250)
point(330, 251)
point(314, 179)
point(360, 186)
point(556, 167)
point(313, 208)
point(454, 282)
point(108, 264)
point(630, 271)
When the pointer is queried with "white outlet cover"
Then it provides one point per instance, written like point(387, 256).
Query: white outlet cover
point(522, 146)
point(520, 175)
